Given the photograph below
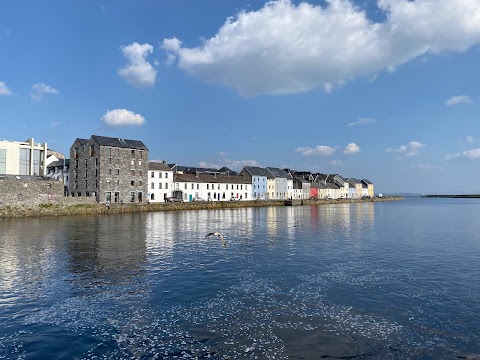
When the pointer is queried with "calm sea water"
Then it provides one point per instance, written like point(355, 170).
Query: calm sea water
point(393, 280)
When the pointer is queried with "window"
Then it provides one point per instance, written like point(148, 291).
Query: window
point(108, 196)
point(109, 171)
point(198, 186)
point(166, 185)
point(117, 171)
point(140, 172)
point(152, 174)
point(86, 162)
point(118, 152)
point(24, 163)
point(166, 175)
point(208, 186)
point(117, 182)
point(152, 196)
point(152, 186)
point(117, 161)
point(160, 175)
point(109, 151)
point(139, 183)
point(160, 186)
point(185, 186)
point(132, 183)
point(92, 151)
point(96, 161)
point(218, 187)
point(241, 187)
point(132, 172)
point(245, 195)
point(133, 155)
point(75, 153)
point(3, 161)
point(140, 154)
point(109, 160)
point(139, 162)
point(132, 196)
point(109, 182)
point(132, 162)
point(192, 186)
point(226, 187)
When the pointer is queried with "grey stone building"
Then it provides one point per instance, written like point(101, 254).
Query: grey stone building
point(113, 170)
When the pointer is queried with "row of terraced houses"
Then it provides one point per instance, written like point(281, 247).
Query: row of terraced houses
point(116, 170)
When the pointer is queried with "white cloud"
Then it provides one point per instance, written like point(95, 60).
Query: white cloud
point(40, 89)
point(460, 99)
point(320, 150)
point(361, 121)
point(351, 149)
point(411, 149)
point(4, 90)
point(288, 48)
point(138, 71)
point(472, 154)
point(472, 139)
point(122, 117)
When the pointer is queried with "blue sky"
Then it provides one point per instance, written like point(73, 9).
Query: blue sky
point(385, 90)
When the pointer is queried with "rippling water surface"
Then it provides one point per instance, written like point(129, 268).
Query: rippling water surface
point(393, 280)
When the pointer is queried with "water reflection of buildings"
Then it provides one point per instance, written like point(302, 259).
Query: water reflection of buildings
point(30, 257)
point(342, 217)
point(107, 248)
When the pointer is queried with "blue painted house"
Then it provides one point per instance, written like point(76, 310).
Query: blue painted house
point(258, 177)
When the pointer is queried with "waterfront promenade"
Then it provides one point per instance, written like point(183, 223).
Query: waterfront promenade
point(52, 209)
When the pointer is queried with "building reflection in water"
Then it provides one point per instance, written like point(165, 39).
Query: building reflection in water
point(108, 249)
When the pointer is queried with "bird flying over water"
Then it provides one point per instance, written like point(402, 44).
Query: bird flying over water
point(222, 239)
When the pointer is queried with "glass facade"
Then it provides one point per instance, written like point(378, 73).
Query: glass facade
point(24, 163)
point(3, 161)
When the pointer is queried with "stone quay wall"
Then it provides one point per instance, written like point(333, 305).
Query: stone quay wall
point(21, 192)
point(70, 207)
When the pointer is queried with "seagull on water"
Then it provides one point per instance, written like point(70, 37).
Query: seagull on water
point(222, 239)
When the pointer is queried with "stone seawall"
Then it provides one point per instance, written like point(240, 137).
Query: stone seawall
point(67, 209)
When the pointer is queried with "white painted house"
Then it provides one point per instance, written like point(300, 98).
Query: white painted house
point(160, 181)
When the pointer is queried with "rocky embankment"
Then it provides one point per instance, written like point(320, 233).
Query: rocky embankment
point(52, 209)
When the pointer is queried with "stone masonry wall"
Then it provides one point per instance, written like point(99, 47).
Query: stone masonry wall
point(30, 192)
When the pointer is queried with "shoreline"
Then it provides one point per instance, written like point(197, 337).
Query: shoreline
point(53, 209)
point(468, 196)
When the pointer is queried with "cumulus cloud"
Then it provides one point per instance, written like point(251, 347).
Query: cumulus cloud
point(4, 90)
point(287, 48)
point(40, 89)
point(351, 149)
point(411, 149)
point(459, 99)
point(472, 139)
point(470, 154)
point(320, 150)
point(361, 121)
point(138, 72)
point(122, 117)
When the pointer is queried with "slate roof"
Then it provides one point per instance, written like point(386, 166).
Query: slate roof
point(59, 163)
point(366, 181)
point(81, 141)
point(319, 185)
point(210, 179)
point(257, 171)
point(279, 173)
point(158, 165)
point(119, 142)
point(192, 169)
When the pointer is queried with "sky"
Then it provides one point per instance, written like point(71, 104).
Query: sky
point(385, 90)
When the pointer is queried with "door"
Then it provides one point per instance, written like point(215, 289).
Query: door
point(190, 197)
